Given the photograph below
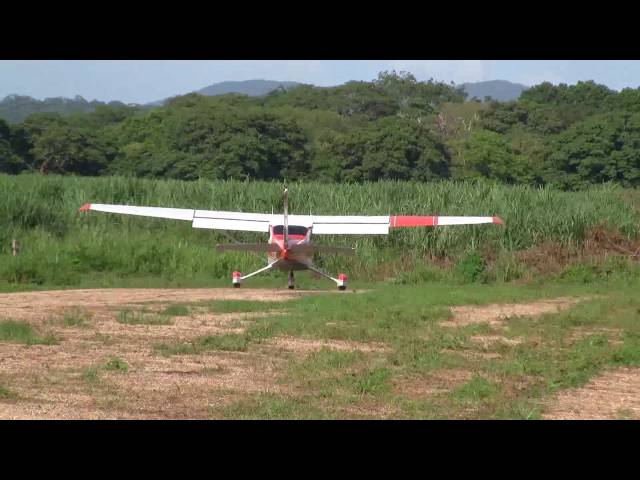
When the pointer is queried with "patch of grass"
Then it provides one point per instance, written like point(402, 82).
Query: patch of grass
point(475, 390)
point(75, 317)
point(322, 372)
point(266, 406)
point(117, 364)
point(139, 317)
point(624, 414)
point(242, 306)
point(22, 332)
point(6, 394)
point(519, 409)
point(230, 342)
point(327, 359)
point(176, 310)
point(90, 374)
point(371, 382)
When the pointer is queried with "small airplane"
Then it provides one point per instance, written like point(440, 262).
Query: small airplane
point(289, 247)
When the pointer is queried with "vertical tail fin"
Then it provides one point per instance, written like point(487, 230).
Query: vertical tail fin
point(286, 215)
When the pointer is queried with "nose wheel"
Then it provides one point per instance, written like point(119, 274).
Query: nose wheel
point(291, 284)
point(236, 278)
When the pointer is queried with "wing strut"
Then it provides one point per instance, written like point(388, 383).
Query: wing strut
point(285, 197)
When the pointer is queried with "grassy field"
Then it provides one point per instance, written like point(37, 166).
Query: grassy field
point(546, 231)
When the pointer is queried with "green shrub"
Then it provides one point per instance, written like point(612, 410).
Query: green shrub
point(470, 267)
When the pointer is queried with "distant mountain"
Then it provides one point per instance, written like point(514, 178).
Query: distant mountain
point(501, 90)
point(253, 88)
point(15, 108)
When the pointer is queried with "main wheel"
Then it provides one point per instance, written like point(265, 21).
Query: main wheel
point(342, 281)
point(291, 280)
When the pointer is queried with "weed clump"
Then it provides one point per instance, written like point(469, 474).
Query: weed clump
point(137, 317)
point(176, 311)
point(5, 393)
point(22, 332)
point(114, 364)
point(117, 364)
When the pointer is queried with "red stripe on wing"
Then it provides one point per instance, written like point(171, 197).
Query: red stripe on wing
point(412, 221)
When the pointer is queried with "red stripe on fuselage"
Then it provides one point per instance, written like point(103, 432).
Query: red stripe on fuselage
point(293, 237)
point(291, 260)
point(293, 240)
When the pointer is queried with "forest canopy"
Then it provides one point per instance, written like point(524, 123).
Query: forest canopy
point(393, 127)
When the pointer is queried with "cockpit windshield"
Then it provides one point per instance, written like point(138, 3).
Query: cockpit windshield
point(293, 230)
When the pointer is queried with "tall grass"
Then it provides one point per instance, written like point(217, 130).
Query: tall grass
point(61, 247)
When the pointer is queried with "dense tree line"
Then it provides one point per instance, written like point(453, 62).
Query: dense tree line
point(16, 108)
point(391, 128)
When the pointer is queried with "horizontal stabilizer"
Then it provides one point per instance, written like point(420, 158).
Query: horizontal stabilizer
point(248, 247)
point(307, 249)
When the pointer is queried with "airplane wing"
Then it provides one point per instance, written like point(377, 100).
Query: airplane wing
point(246, 222)
point(320, 224)
point(380, 225)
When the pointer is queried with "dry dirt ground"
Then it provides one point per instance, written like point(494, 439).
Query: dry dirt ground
point(56, 381)
point(612, 395)
point(68, 380)
point(496, 314)
point(19, 305)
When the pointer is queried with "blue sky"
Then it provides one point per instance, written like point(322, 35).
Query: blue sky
point(144, 81)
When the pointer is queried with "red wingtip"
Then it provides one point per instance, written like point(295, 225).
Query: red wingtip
point(498, 221)
point(84, 207)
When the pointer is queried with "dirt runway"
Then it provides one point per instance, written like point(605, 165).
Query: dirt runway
point(58, 380)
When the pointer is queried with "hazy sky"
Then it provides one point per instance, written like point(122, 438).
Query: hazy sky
point(143, 81)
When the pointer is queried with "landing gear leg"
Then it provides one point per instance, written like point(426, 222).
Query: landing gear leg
point(237, 277)
point(291, 280)
point(341, 281)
